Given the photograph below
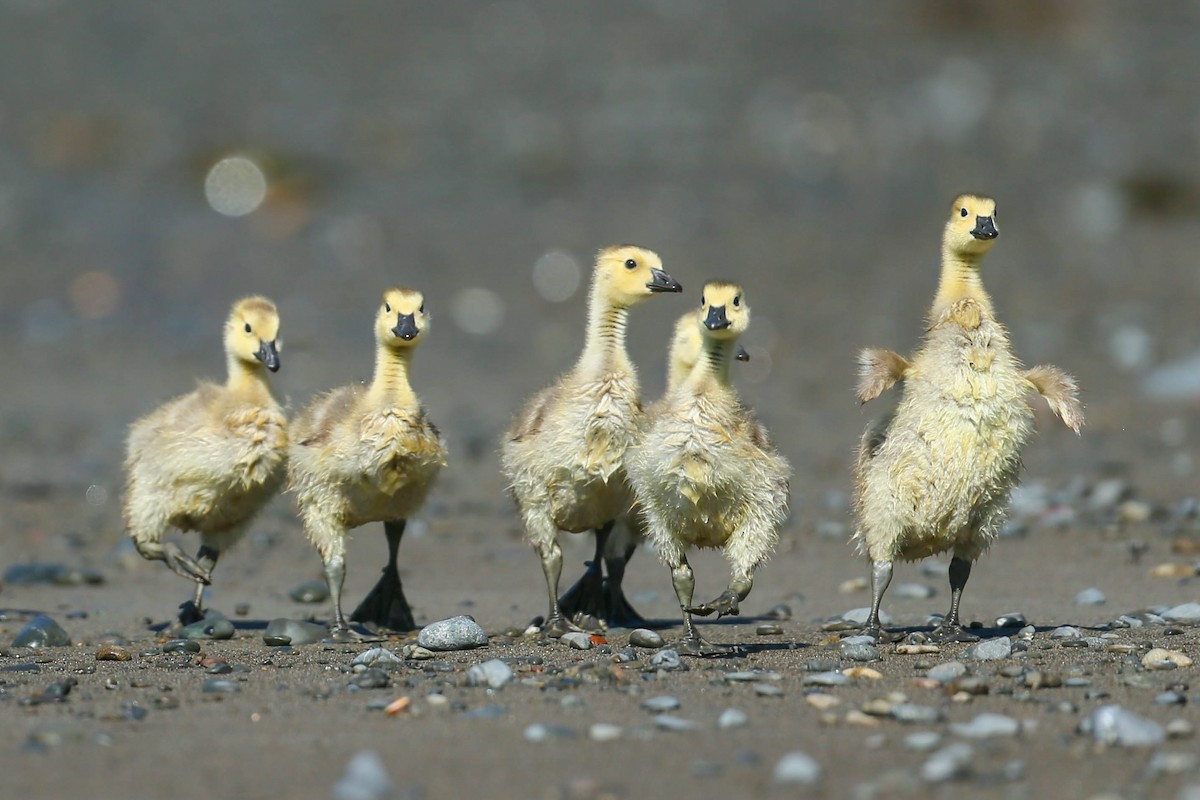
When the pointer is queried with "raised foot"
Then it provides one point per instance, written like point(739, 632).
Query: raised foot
point(183, 564)
point(385, 606)
point(725, 605)
point(879, 634)
point(951, 633)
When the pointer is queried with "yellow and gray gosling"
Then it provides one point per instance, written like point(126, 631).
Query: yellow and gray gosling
point(597, 601)
point(705, 473)
point(563, 455)
point(208, 461)
point(368, 454)
point(935, 475)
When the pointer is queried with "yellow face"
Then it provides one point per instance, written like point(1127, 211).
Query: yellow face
point(628, 275)
point(972, 226)
point(402, 320)
point(252, 332)
point(724, 313)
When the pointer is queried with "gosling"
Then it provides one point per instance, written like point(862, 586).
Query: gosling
point(368, 454)
point(597, 601)
point(209, 461)
point(705, 474)
point(564, 453)
point(935, 475)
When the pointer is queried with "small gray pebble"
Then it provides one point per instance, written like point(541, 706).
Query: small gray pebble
point(218, 686)
point(661, 703)
point(922, 741)
point(798, 767)
point(41, 631)
point(1170, 698)
point(820, 665)
point(456, 633)
point(181, 646)
point(372, 678)
point(991, 649)
point(859, 652)
point(859, 616)
point(1014, 619)
point(1112, 724)
point(493, 674)
point(208, 628)
point(915, 714)
point(643, 637)
point(948, 671)
point(668, 660)
point(1090, 597)
point(540, 732)
point(577, 640)
point(732, 718)
point(1187, 612)
point(987, 725)
point(365, 778)
point(781, 612)
point(313, 591)
point(768, 629)
point(767, 690)
point(671, 723)
point(749, 675)
point(826, 679)
point(949, 762)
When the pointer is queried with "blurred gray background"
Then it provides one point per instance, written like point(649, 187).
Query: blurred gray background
point(483, 151)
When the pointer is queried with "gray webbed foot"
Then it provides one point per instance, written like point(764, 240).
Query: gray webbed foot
point(344, 634)
point(556, 625)
point(725, 605)
point(952, 633)
point(880, 634)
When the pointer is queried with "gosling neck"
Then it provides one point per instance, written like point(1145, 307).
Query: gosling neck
point(960, 280)
point(248, 379)
point(390, 385)
point(715, 357)
point(604, 350)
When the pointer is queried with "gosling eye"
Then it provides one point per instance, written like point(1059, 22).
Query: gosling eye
point(703, 302)
point(737, 299)
point(993, 213)
point(387, 307)
point(630, 264)
point(422, 308)
point(248, 328)
point(964, 212)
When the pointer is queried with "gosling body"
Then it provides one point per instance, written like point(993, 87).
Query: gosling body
point(364, 454)
point(208, 461)
point(564, 453)
point(706, 474)
point(935, 475)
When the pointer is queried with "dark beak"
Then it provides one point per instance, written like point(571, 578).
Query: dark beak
point(985, 228)
point(716, 319)
point(662, 282)
point(742, 355)
point(268, 355)
point(406, 327)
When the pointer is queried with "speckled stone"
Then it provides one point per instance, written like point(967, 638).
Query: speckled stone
point(42, 631)
point(644, 637)
point(456, 633)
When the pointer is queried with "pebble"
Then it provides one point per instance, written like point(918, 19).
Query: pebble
point(1090, 597)
point(921, 741)
point(1012, 620)
point(667, 660)
point(644, 637)
point(944, 673)
point(218, 686)
point(377, 657)
point(293, 632)
point(456, 633)
point(487, 712)
point(577, 640)
point(660, 703)
point(826, 679)
point(371, 678)
point(917, 649)
point(767, 690)
point(42, 631)
point(181, 646)
point(987, 725)
point(852, 585)
point(1187, 612)
point(781, 612)
point(112, 652)
point(822, 701)
point(915, 714)
point(1171, 763)
point(861, 719)
point(671, 723)
point(208, 628)
point(1158, 658)
point(949, 762)
point(749, 675)
point(858, 651)
point(414, 652)
point(493, 674)
point(991, 650)
point(768, 629)
point(862, 674)
point(732, 718)
point(821, 665)
point(604, 732)
point(310, 591)
point(539, 732)
point(798, 767)
point(1180, 729)
point(1112, 724)
point(1170, 698)
point(914, 591)
point(365, 778)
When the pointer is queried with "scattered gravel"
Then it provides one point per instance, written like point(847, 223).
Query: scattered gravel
point(456, 633)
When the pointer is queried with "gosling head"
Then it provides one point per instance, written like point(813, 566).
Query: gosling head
point(252, 332)
point(686, 345)
point(724, 313)
point(402, 320)
point(627, 275)
point(972, 227)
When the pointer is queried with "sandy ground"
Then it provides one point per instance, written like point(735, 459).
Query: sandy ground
point(809, 152)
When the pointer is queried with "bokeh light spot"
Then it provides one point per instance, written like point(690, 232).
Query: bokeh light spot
point(477, 310)
point(556, 276)
point(94, 295)
point(235, 186)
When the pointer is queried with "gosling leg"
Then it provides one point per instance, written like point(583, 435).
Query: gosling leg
point(551, 554)
point(193, 610)
point(584, 603)
point(335, 576)
point(951, 630)
point(684, 582)
point(881, 577)
point(727, 603)
point(385, 606)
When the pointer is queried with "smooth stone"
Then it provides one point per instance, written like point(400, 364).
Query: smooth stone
point(1187, 612)
point(826, 679)
point(949, 762)
point(798, 767)
point(1158, 658)
point(540, 732)
point(604, 732)
point(1171, 763)
point(366, 778)
point(859, 616)
point(414, 652)
point(987, 725)
point(781, 612)
point(767, 690)
point(1014, 619)
point(218, 686)
point(113, 652)
point(948, 671)
point(671, 723)
point(1180, 729)
point(859, 652)
point(53, 574)
point(41, 631)
point(1090, 597)
point(915, 714)
point(859, 639)
point(922, 741)
point(181, 646)
point(1112, 724)
point(914, 591)
point(371, 678)
point(208, 628)
point(293, 632)
point(456, 633)
point(668, 660)
point(577, 640)
point(661, 703)
point(991, 649)
point(493, 674)
point(643, 637)
point(732, 718)
point(1170, 698)
point(377, 657)
point(485, 712)
point(751, 675)
point(768, 629)
point(1066, 632)
point(821, 665)
point(312, 591)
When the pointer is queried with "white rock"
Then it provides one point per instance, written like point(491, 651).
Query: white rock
point(493, 674)
point(1112, 724)
point(1187, 612)
point(798, 767)
point(365, 778)
point(987, 725)
point(732, 718)
point(456, 633)
point(604, 732)
point(991, 650)
point(949, 762)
